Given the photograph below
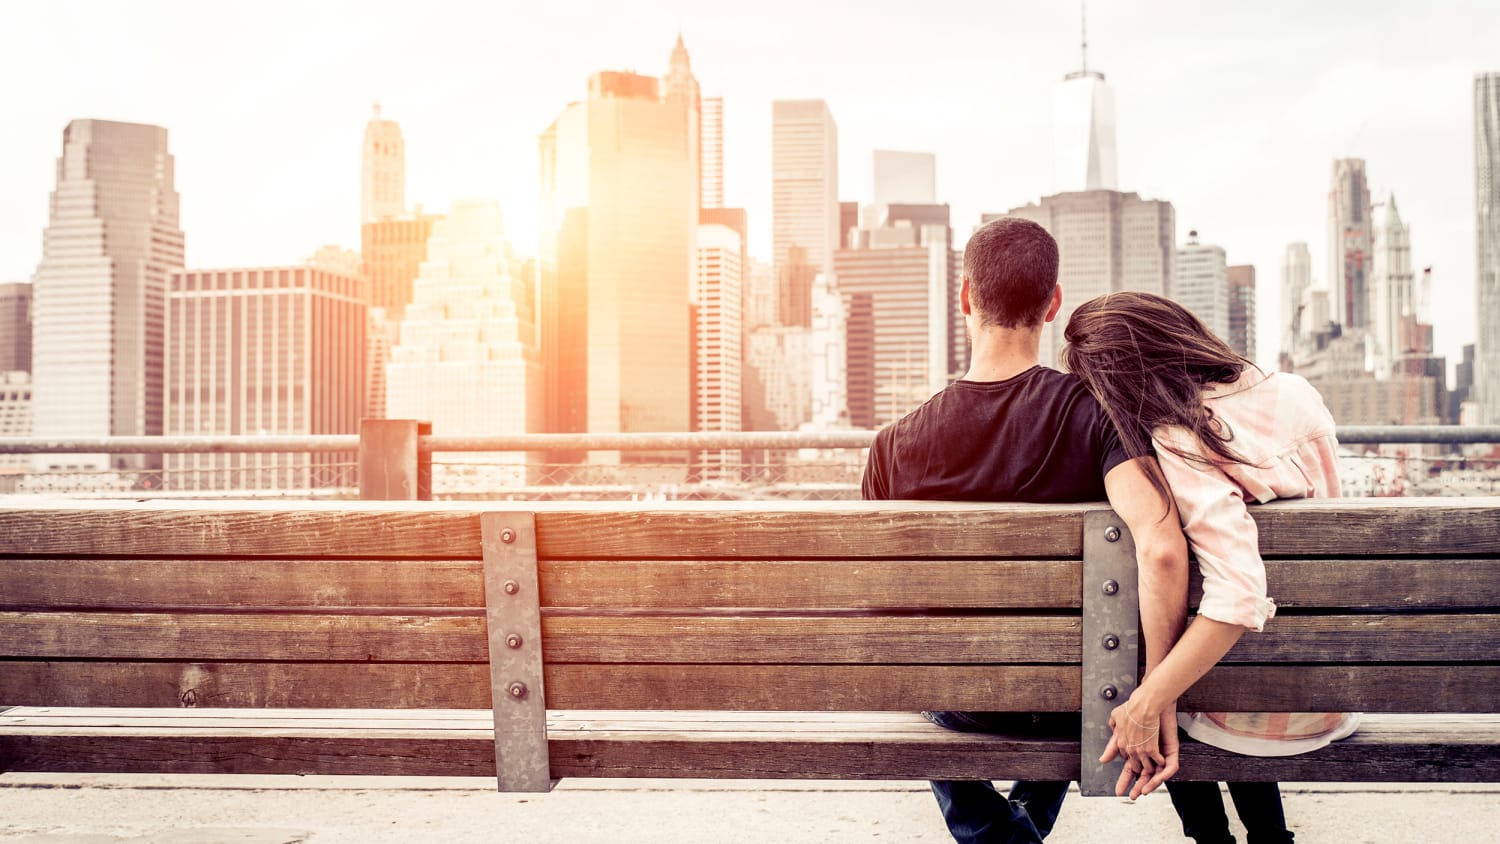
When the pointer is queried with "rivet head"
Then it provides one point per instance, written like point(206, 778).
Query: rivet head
point(1112, 534)
point(513, 641)
point(508, 536)
point(511, 587)
point(1109, 693)
point(517, 690)
point(1111, 641)
point(1111, 587)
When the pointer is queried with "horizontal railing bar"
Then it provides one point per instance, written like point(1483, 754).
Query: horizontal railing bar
point(686, 441)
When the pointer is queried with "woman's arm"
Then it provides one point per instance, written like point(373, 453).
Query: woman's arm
point(1149, 745)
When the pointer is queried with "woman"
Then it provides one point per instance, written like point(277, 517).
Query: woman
point(1224, 433)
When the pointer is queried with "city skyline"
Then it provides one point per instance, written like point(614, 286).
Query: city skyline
point(1238, 141)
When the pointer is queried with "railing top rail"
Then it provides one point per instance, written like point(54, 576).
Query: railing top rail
point(666, 441)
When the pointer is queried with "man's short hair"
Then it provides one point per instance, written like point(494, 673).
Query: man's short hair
point(1011, 265)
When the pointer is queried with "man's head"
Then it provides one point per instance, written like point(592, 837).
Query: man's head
point(1010, 265)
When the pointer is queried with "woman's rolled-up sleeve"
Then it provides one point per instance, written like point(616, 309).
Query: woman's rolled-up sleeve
point(1223, 538)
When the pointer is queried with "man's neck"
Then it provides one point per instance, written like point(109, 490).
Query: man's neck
point(1001, 353)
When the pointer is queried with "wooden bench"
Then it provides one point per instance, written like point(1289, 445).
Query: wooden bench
point(763, 640)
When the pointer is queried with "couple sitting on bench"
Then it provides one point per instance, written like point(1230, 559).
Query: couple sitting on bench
point(1180, 433)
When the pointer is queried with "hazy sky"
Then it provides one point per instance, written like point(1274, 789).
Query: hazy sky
point(1232, 111)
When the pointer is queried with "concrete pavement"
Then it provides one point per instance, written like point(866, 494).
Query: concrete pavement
point(102, 809)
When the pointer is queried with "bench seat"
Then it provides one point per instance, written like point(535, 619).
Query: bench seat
point(670, 744)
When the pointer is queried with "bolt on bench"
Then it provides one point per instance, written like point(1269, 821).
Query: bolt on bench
point(760, 639)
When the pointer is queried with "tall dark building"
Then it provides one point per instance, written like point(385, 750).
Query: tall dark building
point(15, 327)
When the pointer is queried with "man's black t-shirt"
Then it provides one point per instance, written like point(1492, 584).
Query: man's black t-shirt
point(1037, 437)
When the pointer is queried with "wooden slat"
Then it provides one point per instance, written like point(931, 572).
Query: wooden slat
point(249, 636)
point(1391, 748)
point(283, 685)
point(434, 685)
point(812, 584)
point(1383, 584)
point(236, 529)
point(825, 530)
point(1369, 527)
point(239, 583)
point(380, 638)
point(814, 688)
point(572, 530)
point(1385, 749)
point(1346, 688)
point(813, 640)
point(1372, 638)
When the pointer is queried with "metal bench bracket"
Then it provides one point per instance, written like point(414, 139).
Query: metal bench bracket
point(1111, 641)
point(514, 619)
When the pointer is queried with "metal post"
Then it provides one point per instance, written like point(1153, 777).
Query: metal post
point(1111, 641)
point(514, 618)
point(391, 468)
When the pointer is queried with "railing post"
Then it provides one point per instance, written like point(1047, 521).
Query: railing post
point(391, 467)
point(1111, 641)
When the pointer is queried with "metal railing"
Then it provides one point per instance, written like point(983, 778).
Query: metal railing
point(1427, 459)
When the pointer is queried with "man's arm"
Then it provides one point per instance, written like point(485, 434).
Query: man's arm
point(1146, 735)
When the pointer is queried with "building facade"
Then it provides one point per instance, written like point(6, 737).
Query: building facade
point(1392, 293)
point(1296, 318)
point(1487, 246)
point(15, 327)
point(804, 200)
point(620, 210)
point(1242, 310)
point(382, 170)
point(1351, 238)
point(718, 333)
point(468, 359)
point(895, 287)
point(1083, 132)
point(1107, 241)
point(1201, 284)
point(99, 293)
point(262, 351)
point(711, 153)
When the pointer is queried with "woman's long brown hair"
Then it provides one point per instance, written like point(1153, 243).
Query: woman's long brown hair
point(1148, 360)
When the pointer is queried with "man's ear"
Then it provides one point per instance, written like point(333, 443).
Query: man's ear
point(1056, 304)
point(964, 304)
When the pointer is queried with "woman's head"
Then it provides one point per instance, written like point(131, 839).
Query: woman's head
point(1147, 360)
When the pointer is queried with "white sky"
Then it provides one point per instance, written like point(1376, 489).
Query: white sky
point(1232, 111)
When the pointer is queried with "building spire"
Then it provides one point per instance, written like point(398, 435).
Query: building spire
point(1084, 25)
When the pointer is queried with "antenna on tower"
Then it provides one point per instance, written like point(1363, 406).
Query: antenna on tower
point(1084, 24)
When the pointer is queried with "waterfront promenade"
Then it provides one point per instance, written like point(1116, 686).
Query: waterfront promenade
point(101, 809)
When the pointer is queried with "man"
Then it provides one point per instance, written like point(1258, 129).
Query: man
point(1013, 430)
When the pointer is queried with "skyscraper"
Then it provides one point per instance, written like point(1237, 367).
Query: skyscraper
point(15, 327)
point(1350, 236)
point(1392, 291)
point(711, 153)
point(392, 250)
point(468, 358)
point(277, 350)
point(905, 178)
point(1487, 245)
point(620, 209)
point(383, 170)
point(1242, 310)
point(718, 327)
point(896, 294)
point(1107, 241)
point(99, 294)
point(1202, 284)
point(1083, 126)
point(1296, 320)
point(804, 199)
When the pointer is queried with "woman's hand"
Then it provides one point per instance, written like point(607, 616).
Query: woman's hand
point(1147, 741)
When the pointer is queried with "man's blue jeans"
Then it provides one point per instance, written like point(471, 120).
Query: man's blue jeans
point(976, 813)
